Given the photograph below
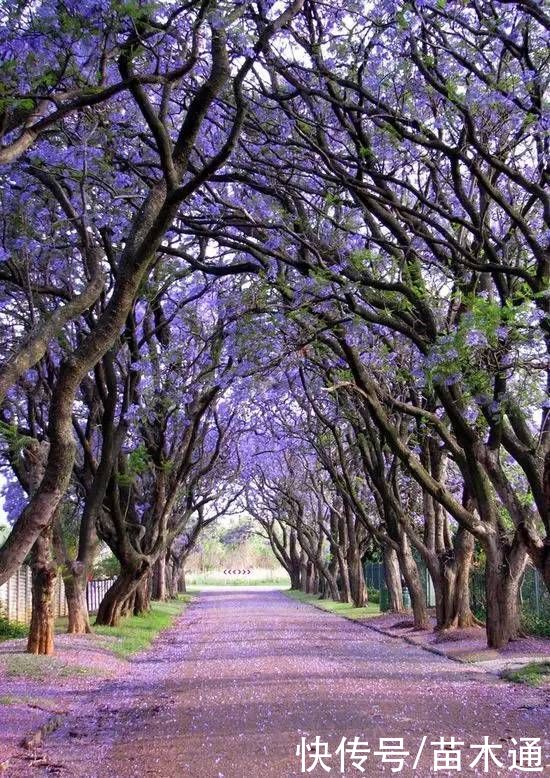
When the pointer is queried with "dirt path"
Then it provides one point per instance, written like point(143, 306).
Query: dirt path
point(229, 692)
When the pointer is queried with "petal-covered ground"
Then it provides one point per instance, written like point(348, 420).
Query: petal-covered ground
point(243, 676)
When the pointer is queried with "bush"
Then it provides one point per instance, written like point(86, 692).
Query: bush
point(11, 629)
point(535, 625)
point(374, 595)
point(107, 567)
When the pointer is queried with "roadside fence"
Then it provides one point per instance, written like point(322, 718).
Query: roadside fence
point(15, 596)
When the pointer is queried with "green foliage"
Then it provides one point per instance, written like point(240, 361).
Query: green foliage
point(4, 532)
point(533, 620)
point(374, 595)
point(365, 152)
point(15, 440)
point(231, 545)
point(401, 18)
point(532, 624)
point(107, 567)
point(11, 629)
point(452, 90)
point(454, 354)
point(343, 376)
point(322, 277)
point(332, 199)
point(134, 9)
point(138, 461)
point(361, 259)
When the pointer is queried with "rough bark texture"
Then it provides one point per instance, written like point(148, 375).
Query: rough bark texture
point(393, 579)
point(116, 602)
point(358, 590)
point(171, 580)
point(159, 579)
point(312, 578)
point(77, 606)
point(411, 575)
point(503, 573)
point(44, 574)
point(142, 597)
point(455, 580)
point(294, 570)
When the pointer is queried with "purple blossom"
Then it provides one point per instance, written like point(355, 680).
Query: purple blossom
point(476, 338)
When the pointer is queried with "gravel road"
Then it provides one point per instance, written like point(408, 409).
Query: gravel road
point(244, 675)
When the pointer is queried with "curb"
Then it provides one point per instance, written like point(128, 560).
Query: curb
point(405, 638)
point(429, 649)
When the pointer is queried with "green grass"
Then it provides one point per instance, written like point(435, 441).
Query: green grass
point(217, 578)
point(534, 674)
point(341, 608)
point(5, 699)
point(41, 668)
point(136, 633)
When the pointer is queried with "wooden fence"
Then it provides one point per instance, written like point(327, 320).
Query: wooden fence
point(15, 596)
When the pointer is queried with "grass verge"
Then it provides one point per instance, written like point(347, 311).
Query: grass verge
point(256, 578)
point(345, 609)
point(136, 633)
point(534, 674)
point(42, 668)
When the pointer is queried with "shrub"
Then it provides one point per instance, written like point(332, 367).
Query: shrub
point(374, 595)
point(11, 629)
point(535, 625)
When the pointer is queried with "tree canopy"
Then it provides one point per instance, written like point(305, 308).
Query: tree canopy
point(286, 256)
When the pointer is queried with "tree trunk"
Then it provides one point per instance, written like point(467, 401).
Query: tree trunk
point(129, 604)
point(409, 569)
point(159, 579)
point(303, 572)
point(77, 605)
point(142, 597)
point(333, 588)
point(345, 588)
point(545, 560)
point(312, 583)
point(115, 602)
point(171, 580)
point(44, 574)
point(295, 580)
point(295, 571)
point(358, 590)
point(182, 586)
point(332, 575)
point(503, 572)
point(393, 579)
point(454, 579)
point(327, 583)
